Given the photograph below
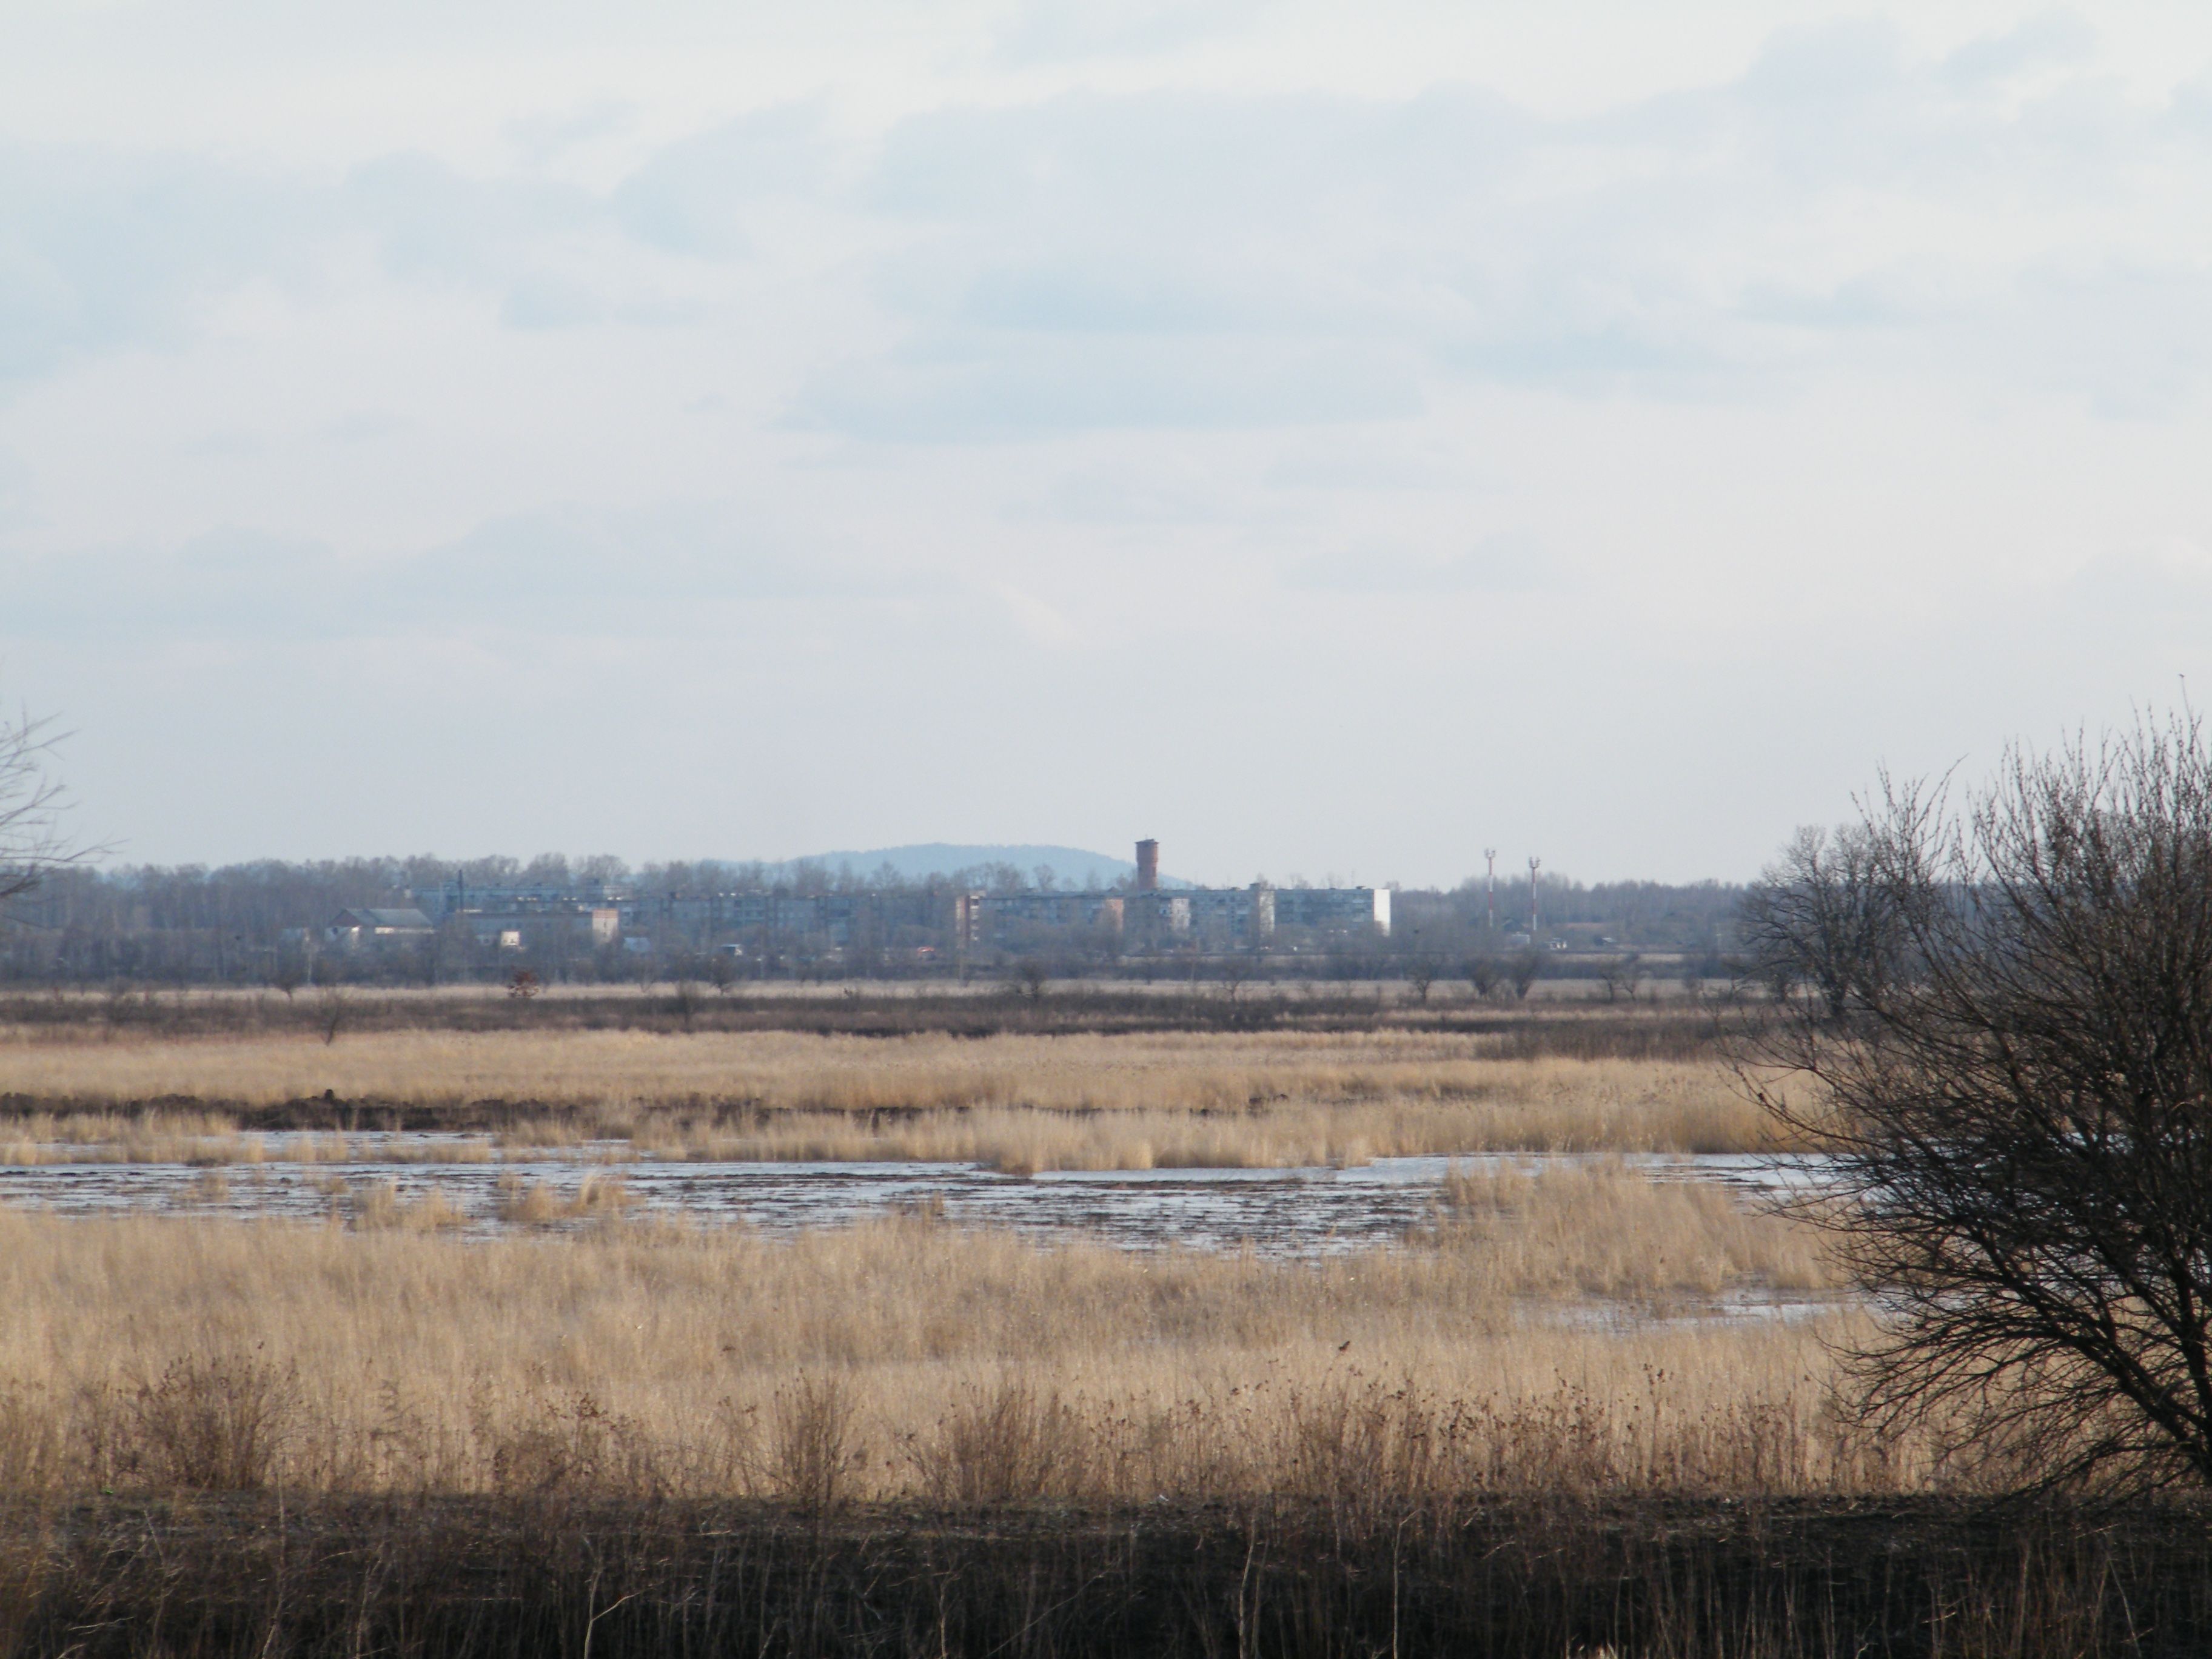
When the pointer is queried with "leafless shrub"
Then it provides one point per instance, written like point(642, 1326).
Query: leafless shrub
point(572, 1445)
point(1003, 1446)
point(218, 1424)
point(2011, 1053)
point(812, 1452)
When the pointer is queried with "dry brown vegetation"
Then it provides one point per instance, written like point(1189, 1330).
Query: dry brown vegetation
point(1564, 1415)
point(1599, 1230)
point(911, 1357)
point(1014, 1102)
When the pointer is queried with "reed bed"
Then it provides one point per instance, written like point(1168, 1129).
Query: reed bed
point(533, 1204)
point(1599, 1230)
point(1014, 1102)
point(795, 1071)
point(1517, 1342)
point(375, 1205)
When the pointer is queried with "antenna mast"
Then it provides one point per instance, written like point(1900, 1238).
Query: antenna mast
point(1490, 858)
point(1536, 921)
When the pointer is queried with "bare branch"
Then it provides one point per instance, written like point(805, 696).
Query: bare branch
point(2010, 1050)
point(33, 807)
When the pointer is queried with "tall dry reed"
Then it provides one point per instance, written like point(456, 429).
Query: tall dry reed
point(911, 1357)
point(1017, 1102)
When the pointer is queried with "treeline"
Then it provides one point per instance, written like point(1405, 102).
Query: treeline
point(1651, 915)
point(258, 922)
point(258, 900)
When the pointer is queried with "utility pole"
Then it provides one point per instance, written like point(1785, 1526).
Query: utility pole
point(1536, 921)
point(1490, 858)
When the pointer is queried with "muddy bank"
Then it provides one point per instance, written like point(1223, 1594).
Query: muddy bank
point(1524, 1031)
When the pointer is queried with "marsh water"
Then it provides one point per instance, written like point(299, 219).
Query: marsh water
point(1277, 1211)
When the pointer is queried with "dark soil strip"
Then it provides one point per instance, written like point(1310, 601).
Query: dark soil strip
point(1597, 1032)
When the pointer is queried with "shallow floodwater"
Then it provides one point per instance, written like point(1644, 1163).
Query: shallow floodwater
point(1286, 1211)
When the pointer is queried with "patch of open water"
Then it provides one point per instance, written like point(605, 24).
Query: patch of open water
point(1277, 1212)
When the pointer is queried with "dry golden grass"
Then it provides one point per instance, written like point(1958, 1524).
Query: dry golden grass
point(533, 1204)
point(1017, 1102)
point(376, 1206)
point(1599, 1230)
point(791, 1071)
point(168, 1136)
point(909, 1358)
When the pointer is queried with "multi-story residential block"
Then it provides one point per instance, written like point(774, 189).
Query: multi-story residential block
point(1140, 916)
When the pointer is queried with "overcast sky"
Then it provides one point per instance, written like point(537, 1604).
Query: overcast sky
point(1332, 438)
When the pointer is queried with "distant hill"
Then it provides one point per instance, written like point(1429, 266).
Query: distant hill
point(1071, 866)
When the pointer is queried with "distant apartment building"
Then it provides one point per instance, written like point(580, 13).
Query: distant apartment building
point(1333, 910)
point(1001, 918)
point(768, 919)
point(457, 896)
point(1148, 915)
point(580, 927)
point(1141, 916)
point(354, 928)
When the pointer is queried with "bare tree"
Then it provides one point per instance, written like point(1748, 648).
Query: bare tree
point(1482, 975)
point(1819, 915)
point(1237, 972)
point(1523, 971)
point(1622, 975)
point(1420, 974)
point(685, 1002)
point(33, 804)
point(2014, 1070)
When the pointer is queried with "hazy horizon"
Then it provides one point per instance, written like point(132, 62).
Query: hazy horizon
point(1330, 441)
point(1072, 867)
